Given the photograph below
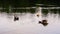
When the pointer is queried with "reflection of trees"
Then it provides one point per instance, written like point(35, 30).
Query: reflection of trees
point(54, 11)
point(24, 3)
point(59, 11)
point(16, 4)
point(45, 12)
point(24, 10)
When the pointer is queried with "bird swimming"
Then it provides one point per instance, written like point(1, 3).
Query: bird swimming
point(43, 22)
point(16, 18)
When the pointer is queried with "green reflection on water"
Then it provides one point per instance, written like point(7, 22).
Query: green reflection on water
point(52, 11)
point(18, 10)
point(44, 11)
point(23, 11)
point(55, 11)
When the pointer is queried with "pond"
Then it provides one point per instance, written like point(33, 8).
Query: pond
point(28, 23)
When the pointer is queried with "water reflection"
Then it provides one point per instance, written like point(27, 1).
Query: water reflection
point(51, 11)
point(45, 11)
point(30, 23)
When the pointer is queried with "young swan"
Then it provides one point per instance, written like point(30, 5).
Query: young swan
point(44, 22)
point(16, 18)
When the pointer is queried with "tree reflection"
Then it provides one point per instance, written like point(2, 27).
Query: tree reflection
point(45, 12)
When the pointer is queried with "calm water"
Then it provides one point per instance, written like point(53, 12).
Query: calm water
point(28, 23)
